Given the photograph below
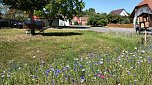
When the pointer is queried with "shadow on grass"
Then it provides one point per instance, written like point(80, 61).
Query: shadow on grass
point(61, 34)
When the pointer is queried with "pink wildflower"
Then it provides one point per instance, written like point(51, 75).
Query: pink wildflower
point(103, 77)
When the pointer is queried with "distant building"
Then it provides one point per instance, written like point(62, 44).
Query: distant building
point(60, 22)
point(84, 20)
point(121, 12)
point(143, 9)
point(79, 20)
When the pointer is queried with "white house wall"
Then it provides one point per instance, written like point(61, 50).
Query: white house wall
point(67, 23)
point(123, 13)
point(143, 9)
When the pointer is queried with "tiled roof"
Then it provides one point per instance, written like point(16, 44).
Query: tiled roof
point(118, 11)
point(145, 2)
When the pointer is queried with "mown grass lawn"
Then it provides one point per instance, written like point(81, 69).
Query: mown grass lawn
point(51, 58)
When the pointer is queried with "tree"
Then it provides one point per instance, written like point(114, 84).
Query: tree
point(15, 14)
point(98, 19)
point(61, 9)
point(27, 5)
point(92, 10)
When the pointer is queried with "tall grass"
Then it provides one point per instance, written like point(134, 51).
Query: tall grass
point(74, 57)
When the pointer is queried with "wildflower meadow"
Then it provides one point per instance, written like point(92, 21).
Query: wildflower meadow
point(107, 65)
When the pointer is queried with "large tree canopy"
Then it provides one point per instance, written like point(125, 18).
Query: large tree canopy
point(27, 5)
point(61, 9)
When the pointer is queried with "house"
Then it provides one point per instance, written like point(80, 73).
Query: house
point(121, 12)
point(143, 9)
point(59, 22)
point(79, 20)
point(75, 20)
point(84, 20)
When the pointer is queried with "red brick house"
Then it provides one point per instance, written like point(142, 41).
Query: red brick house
point(80, 20)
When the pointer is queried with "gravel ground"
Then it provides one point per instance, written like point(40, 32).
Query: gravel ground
point(119, 30)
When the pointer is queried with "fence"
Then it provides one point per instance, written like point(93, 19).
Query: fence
point(121, 25)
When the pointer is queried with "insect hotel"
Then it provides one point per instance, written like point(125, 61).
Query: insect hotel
point(142, 16)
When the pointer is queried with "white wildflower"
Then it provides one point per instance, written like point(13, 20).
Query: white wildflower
point(83, 69)
point(120, 65)
point(38, 51)
point(34, 56)
point(143, 51)
point(135, 48)
point(86, 58)
point(19, 68)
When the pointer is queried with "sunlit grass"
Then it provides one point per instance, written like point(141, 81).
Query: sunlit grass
point(27, 59)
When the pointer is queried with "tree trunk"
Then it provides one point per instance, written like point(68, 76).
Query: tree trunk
point(51, 21)
point(31, 12)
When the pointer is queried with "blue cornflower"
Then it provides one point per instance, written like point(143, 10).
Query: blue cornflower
point(134, 75)
point(57, 71)
point(95, 75)
point(128, 72)
point(36, 71)
point(138, 61)
point(91, 55)
point(48, 71)
point(130, 60)
point(56, 74)
point(63, 70)
point(75, 64)
point(90, 65)
point(51, 67)
point(35, 77)
point(47, 74)
point(65, 75)
point(82, 77)
point(75, 69)
point(149, 60)
point(81, 66)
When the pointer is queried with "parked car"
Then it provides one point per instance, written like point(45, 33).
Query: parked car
point(11, 23)
point(37, 24)
point(16, 24)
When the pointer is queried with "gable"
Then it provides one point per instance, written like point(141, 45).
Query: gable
point(143, 9)
point(143, 4)
point(124, 13)
point(121, 12)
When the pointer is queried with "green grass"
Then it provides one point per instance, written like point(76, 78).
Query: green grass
point(15, 45)
point(59, 48)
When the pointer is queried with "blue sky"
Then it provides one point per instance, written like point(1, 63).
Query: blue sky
point(109, 5)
